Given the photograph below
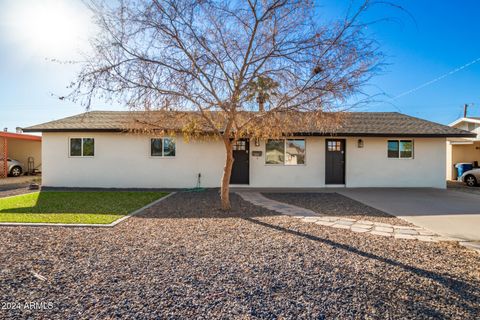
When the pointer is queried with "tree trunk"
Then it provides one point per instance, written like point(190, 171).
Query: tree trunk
point(227, 172)
point(261, 103)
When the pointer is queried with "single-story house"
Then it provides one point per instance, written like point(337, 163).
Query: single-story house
point(370, 149)
point(25, 148)
point(463, 150)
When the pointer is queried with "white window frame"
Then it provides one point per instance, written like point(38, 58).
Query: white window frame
point(81, 147)
point(399, 153)
point(285, 153)
point(163, 150)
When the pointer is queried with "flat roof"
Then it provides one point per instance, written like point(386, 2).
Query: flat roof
point(20, 136)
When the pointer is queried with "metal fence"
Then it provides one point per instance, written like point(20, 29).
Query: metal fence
point(3, 157)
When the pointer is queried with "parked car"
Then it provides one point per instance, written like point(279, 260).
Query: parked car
point(471, 177)
point(15, 167)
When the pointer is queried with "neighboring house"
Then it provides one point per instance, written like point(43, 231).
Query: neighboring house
point(25, 148)
point(377, 149)
point(463, 149)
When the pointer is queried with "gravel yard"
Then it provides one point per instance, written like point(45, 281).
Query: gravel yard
point(185, 259)
point(334, 204)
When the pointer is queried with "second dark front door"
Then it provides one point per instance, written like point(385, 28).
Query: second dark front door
point(335, 161)
point(241, 166)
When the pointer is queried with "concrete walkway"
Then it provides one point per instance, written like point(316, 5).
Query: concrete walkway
point(361, 226)
point(449, 213)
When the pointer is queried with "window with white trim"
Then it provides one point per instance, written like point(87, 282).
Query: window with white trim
point(162, 147)
point(82, 147)
point(285, 151)
point(400, 149)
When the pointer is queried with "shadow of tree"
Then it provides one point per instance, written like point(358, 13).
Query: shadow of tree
point(330, 203)
point(464, 291)
point(203, 205)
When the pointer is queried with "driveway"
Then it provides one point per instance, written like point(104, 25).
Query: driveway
point(13, 186)
point(17, 181)
point(447, 212)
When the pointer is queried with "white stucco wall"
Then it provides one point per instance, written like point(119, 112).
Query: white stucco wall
point(450, 174)
point(123, 161)
point(370, 167)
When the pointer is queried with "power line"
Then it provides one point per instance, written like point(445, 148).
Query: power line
point(436, 79)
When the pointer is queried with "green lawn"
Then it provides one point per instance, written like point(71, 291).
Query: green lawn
point(74, 207)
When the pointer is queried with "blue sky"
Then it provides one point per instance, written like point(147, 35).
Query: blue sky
point(442, 36)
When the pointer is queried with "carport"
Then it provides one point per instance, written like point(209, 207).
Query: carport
point(25, 148)
point(461, 150)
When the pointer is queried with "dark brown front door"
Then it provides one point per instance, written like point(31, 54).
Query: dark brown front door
point(335, 161)
point(241, 166)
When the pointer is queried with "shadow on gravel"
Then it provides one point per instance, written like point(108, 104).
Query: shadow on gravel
point(464, 290)
point(8, 187)
point(203, 205)
point(331, 203)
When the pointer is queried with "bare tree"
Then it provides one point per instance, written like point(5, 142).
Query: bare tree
point(242, 68)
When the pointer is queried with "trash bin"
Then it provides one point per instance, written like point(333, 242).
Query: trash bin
point(463, 167)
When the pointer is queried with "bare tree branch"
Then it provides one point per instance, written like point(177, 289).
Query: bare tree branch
point(240, 68)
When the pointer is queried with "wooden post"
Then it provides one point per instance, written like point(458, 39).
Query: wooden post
point(4, 155)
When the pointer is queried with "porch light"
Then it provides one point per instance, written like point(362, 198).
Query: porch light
point(257, 142)
point(360, 143)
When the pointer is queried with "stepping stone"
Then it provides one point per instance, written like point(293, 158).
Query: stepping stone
point(426, 233)
point(365, 222)
point(361, 226)
point(381, 224)
point(339, 222)
point(341, 226)
point(327, 219)
point(426, 239)
point(332, 219)
point(345, 222)
point(402, 227)
point(380, 233)
point(406, 231)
